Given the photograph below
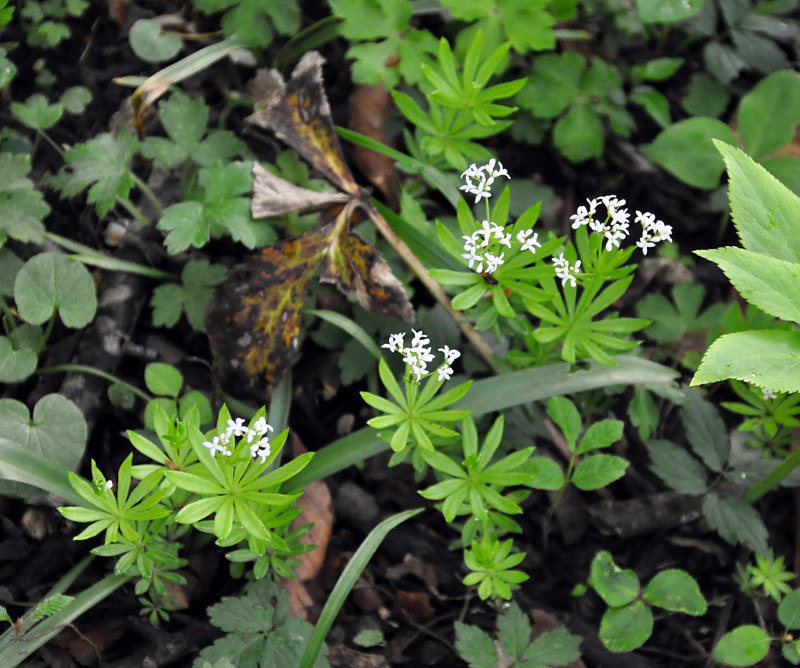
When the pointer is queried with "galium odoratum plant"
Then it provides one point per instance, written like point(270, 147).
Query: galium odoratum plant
point(413, 420)
point(229, 472)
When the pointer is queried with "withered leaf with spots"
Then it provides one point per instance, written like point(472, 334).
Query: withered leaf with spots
point(359, 270)
point(253, 317)
point(298, 112)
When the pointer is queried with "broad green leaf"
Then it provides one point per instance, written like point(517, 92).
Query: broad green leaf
point(580, 134)
point(736, 521)
point(15, 364)
point(615, 586)
point(56, 431)
point(545, 473)
point(685, 150)
point(474, 646)
point(743, 646)
point(22, 207)
point(789, 610)
point(666, 11)
point(37, 113)
point(75, 99)
point(676, 467)
point(707, 96)
point(163, 379)
point(777, 98)
point(558, 647)
point(657, 69)
point(597, 471)
point(626, 628)
point(705, 431)
point(600, 435)
point(51, 282)
point(150, 42)
point(676, 590)
point(764, 281)
point(764, 211)
point(563, 412)
point(769, 359)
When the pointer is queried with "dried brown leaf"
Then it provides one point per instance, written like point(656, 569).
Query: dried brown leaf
point(274, 196)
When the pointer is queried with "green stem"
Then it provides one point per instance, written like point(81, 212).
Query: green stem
point(49, 329)
point(773, 478)
point(134, 210)
point(82, 368)
point(9, 322)
point(48, 139)
point(149, 194)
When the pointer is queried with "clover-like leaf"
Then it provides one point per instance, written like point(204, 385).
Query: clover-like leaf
point(15, 364)
point(22, 207)
point(56, 431)
point(150, 42)
point(51, 282)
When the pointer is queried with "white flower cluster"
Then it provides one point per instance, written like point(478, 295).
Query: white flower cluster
point(483, 246)
point(418, 354)
point(480, 179)
point(256, 437)
point(564, 271)
point(615, 226)
point(768, 394)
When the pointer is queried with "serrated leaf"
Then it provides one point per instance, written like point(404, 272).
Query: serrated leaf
point(580, 134)
point(768, 359)
point(676, 590)
point(676, 467)
point(763, 281)
point(563, 412)
point(51, 282)
point(167, 305)
point(764, 211)
point(75, 99)
point(743, 646)
point(705, 431)
point(56, 431)
point(597, 471)
point(513, 631)
point(624, 629)
point(22, 207)
point(475, 647)
point(545, 473)
point(600, 435)
point(558, 647)
point(736, 521)
point(100, 164)
point(150, 42)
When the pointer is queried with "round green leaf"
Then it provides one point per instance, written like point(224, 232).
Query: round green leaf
point(624, 629)
point(743, 646)
point(614, 585)
point(198, 400)
point(167, 405)
point(546, 474)
point(56, 431)
point(676, 590)
point(163, 379)
point(685, 150)
point(52, 281)
point(121, 396)
point(151, 44)
point(75, 99)
point(15, 365)
point(789, 610)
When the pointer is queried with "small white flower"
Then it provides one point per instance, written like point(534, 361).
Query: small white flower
point(445, 372)
point(581, 217)
point(237, 427)
point(450, 355)
point(472, 257)
point(109, 484)
point(505, 240)
point(480, 179)
point(395, 343)
point(493, 262)
point(261, 449)
point(529, 240)
point(768, 394)
point(419, 339)
point(214, 446)
point(262, 426)
point(564, 271)
point(644, 243)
